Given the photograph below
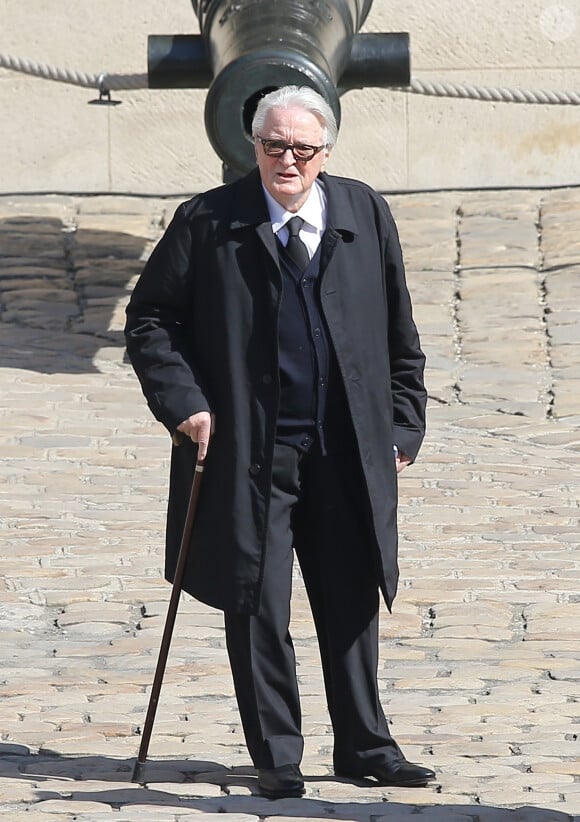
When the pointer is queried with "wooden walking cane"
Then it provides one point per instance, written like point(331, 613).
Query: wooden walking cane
point(139, 769)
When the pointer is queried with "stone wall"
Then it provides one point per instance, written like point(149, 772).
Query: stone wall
point(155, 142)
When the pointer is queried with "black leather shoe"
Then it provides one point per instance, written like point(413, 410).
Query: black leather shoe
point(398, 774)
point(276, 783)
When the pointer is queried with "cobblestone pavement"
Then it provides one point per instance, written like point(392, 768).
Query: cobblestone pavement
point(480, 661)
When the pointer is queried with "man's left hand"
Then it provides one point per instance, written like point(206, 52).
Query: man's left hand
point(402, 461)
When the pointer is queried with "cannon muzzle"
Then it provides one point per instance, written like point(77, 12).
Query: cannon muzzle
point(250, 47)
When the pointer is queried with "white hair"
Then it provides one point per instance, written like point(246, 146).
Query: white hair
point(303, 97)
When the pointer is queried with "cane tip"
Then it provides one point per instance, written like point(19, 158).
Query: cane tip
point(139, 773)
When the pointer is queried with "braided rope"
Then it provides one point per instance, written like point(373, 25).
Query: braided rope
point(104, 81)
point(130, 82)
point(490, 94)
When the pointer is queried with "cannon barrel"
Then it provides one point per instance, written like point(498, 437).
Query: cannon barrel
point(247, 48)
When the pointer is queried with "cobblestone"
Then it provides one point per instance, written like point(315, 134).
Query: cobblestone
point(479, 668)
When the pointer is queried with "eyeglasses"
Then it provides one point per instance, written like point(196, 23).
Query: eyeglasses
point(300, 151)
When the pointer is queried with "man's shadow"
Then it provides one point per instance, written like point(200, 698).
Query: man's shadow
point(62, 292)
point(16, 762)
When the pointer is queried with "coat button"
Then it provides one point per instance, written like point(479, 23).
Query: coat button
point(267, 379)
point(255, 468)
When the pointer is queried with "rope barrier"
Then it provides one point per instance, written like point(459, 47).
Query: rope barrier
point(498, 95)
point(105, 83)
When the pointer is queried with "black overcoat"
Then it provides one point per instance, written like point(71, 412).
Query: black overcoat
point(202, 336)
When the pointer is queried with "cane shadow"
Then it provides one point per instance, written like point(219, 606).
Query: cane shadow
point(62, 293)
point(16, 761)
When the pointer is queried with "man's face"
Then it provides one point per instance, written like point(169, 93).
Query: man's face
point(288, 180)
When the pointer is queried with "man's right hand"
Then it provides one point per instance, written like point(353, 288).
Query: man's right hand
point(199, 427)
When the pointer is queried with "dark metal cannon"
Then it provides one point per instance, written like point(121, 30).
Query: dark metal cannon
point(249, 47)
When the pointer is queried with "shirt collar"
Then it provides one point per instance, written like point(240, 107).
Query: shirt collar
point(313, 211)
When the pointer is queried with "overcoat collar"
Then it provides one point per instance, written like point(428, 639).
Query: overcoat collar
point(341, 216)
point(250, 208)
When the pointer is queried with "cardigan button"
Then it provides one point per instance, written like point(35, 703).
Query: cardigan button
point(255, 468)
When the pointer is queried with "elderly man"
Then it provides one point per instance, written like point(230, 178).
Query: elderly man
point(275, 311)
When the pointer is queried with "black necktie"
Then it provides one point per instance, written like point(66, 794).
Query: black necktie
point(295, 247)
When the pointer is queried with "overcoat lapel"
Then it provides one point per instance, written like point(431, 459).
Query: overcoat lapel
point(330, 238)
point(250, 210)
point(266, 235)
point(341, 224)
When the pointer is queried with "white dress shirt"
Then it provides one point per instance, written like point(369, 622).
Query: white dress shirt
point(313, 212)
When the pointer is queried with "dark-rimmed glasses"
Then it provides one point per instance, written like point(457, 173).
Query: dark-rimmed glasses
point(300, 151)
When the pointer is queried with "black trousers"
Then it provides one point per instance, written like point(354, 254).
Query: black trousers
point(315, 510)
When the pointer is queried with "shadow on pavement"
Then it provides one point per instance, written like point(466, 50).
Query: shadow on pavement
point(62, 292)
point(16, 762)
